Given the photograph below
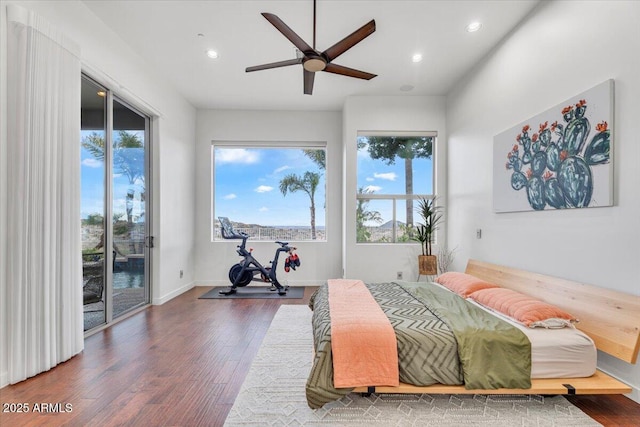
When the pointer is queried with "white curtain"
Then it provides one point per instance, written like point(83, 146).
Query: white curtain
point(43, 276)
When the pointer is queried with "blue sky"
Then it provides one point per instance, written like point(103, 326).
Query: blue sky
point(380, 178)
point(92, 185)
point(247, 185)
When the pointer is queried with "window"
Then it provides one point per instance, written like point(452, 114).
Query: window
point(270, 192)
point(393, 170)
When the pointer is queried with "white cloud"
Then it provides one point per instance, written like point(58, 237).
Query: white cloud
point(281, 169)
point(230, 196)
point(389, 176)
point(372, 188)
point(92, 163)
point(263, 209)
point(369, 179)
point(263, 189)
point(237, 155)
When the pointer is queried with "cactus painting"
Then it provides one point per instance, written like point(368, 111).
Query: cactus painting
point(558, 159)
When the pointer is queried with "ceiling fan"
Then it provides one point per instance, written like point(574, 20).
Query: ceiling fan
point(312, 60)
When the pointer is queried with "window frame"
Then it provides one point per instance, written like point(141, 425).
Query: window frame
point(398, 197)
point(264, 144)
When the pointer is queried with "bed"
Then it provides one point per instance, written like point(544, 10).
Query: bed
point(609, 321)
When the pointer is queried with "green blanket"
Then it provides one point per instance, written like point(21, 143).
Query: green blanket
point(493, 353)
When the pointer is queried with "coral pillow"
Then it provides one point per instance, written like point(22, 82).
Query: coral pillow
point(462, 284)
point(523, 308)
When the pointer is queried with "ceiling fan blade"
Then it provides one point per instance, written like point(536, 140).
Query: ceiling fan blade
point(274, 65)
point(350, 72)
point(308, 82)
point(287, 32)
point(351, 40)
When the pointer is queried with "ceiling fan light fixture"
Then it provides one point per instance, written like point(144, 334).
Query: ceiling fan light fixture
point(212, 54)
point(416, 57)
point(314, 64)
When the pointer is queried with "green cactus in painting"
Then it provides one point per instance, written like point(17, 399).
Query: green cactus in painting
point(559, 171)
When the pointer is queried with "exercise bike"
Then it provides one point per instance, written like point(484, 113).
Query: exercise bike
point(242, 273)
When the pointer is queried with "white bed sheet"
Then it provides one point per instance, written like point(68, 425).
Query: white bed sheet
point(556, 353)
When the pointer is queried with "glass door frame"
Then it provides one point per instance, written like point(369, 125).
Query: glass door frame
point(108, 226)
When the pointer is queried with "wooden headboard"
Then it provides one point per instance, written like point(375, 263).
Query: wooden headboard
point(610, 318)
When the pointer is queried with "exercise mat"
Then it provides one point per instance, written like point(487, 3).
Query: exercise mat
point(255, 292)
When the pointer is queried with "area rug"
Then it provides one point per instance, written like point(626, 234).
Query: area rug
point(273, 394)
point(254, 292)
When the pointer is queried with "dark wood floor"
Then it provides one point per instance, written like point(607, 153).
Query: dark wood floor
point(181, 364)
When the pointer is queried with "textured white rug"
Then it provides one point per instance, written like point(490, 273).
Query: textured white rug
point(274, 394)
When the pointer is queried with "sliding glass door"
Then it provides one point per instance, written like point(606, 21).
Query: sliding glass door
point(115, 195)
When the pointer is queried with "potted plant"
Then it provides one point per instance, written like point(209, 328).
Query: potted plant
point(431, 217)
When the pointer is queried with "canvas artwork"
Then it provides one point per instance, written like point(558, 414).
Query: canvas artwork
point(560, 158)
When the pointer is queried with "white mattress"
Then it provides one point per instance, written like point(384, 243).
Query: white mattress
point(557, 353)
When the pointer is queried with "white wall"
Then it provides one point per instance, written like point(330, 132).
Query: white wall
point(381, 262)
point(562, 49)
point(112, 62)
point(319, 260)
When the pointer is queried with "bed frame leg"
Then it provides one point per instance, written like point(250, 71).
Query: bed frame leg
point(369, 392)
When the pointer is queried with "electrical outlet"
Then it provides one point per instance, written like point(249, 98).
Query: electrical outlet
point(181, 273)
point(479, 233)
point(399, 275)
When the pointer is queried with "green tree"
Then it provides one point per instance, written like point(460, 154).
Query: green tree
point(364, 215)
point(309, 184)
point(388, 148)
point(319, 157)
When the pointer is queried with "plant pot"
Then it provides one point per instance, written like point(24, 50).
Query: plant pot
point(427, 265)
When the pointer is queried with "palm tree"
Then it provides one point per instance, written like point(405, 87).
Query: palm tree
point(364, 215)
point(128, 159)
point(307, 183)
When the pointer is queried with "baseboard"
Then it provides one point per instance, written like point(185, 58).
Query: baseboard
point(172, 294)
point(4, 379)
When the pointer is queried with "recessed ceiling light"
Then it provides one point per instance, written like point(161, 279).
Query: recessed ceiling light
point(102, 93)
point(417, 57)
point(473, 27)
point(212, 54)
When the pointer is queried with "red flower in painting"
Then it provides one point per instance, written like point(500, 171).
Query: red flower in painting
point(518, 138)
point(525, 128)
point(547, 175)
point(566, 109)
point(543, 126)
point(529, 173)
point(564, 154)
point(534, 138)
point(602, 126)
point(581, 103)
point(554, 125)
point(515, 147)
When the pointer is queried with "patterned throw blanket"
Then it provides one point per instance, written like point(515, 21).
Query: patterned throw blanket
point(427, 346)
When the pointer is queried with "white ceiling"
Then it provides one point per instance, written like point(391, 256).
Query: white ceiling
point(165, 34)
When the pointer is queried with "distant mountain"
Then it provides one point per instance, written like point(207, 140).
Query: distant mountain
point(389, 224)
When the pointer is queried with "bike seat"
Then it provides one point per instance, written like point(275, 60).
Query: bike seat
point(227, 231)
point(282, 243)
